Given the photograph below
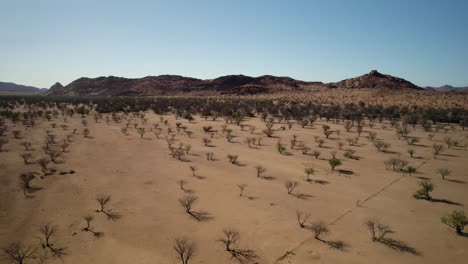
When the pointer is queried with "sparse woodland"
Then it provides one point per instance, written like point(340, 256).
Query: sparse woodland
point(232, 180)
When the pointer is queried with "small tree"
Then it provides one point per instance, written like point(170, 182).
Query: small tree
point(456, 220)
point(443, 172)
point(241, 188)
point(302, 218)
point(436, 149)
point(27, 145)
point(308, 172)
point(260, 170)
point(141, 131)
point(334, 162)
point(25, 182)
point(48, 231)
point(410, 170)
point(26, 157)
point(187, 202)
point(425, 190)
point(193, 169)
point(86, 132)
point(206, 141)
point(319, 228)
point(185, 249)
point(280, 147)
point(88, 228)
point(232, 158)
point(43, 162)
point(17, 134)
point(181, 184)
point(290, 186)
point(340, 145)
point(411, 152)
point(18, 253)
point(316, 154)
point(378, 230)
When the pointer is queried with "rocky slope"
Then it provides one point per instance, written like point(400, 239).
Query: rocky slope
point(375, 79)
point(225, 85)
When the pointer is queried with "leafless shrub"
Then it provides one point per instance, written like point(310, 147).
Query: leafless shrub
point(290, 186)
point(230, 239)
point(26, 157)
point(141, 131)
point(48, 231)
point(206, 141)
point(185, 249)
point(27, 145)
point(24, 183)
point(187, 202)
point(43, 162)
point(260, 170)
point(233, 159)
point(241, 188)
point(316, 154)
point(193, 169)
point(86, 132)
point(319, 228)
point(381, 146)
point(302, 218)
point(209, 156)
point(103, 200)
point(436, 149)
point(88, 227)
point(18, 253)
point(443, 172)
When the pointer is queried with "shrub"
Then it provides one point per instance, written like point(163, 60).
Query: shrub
point(456, 220)
point(425, 190)
point(308, 172)
point(280, 147)
point(443, 172)
point(316, 154)
point(319, 228)
point(260, 170)
point(185, 249)
point(436, 149)
point(334, 162)
point(232, 158)
point(290, 186)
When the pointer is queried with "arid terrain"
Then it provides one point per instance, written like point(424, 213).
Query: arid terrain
point(142, 163)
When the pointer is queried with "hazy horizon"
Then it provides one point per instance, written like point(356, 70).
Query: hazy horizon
point(52, 41)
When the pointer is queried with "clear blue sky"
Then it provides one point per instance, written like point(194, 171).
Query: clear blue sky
point(44, 41)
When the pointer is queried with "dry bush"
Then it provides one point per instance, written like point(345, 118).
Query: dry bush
point(48, 231)
point(185, 249)
point(290, 186)
point(18, 253)
point(26, 157)
point(260, 169)
point(319, 228)
point(302, 218)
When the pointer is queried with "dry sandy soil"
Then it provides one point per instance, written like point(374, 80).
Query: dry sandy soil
point(141, 177)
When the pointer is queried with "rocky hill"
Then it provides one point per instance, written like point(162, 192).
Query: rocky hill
point(375, 79)
point(225, 85)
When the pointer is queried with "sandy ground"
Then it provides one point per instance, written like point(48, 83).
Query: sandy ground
point(140, 175)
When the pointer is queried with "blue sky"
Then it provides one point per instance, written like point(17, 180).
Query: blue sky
point(45, 41)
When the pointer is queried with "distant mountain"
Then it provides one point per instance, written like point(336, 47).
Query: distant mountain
point(8, 87)
point(175, 84)
point(224, 85)
point(375, 79)
point(448, 88)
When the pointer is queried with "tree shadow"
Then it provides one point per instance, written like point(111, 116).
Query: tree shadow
point(337, 244)
point(112, 215)
point(422, 178)
point(268, 178)
point(302, 196)
point(399, 245)
point(347, 172)
point(445, 201)
point(449, 155)
point(201, 216)
point(456, 181)
point(321, 182)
